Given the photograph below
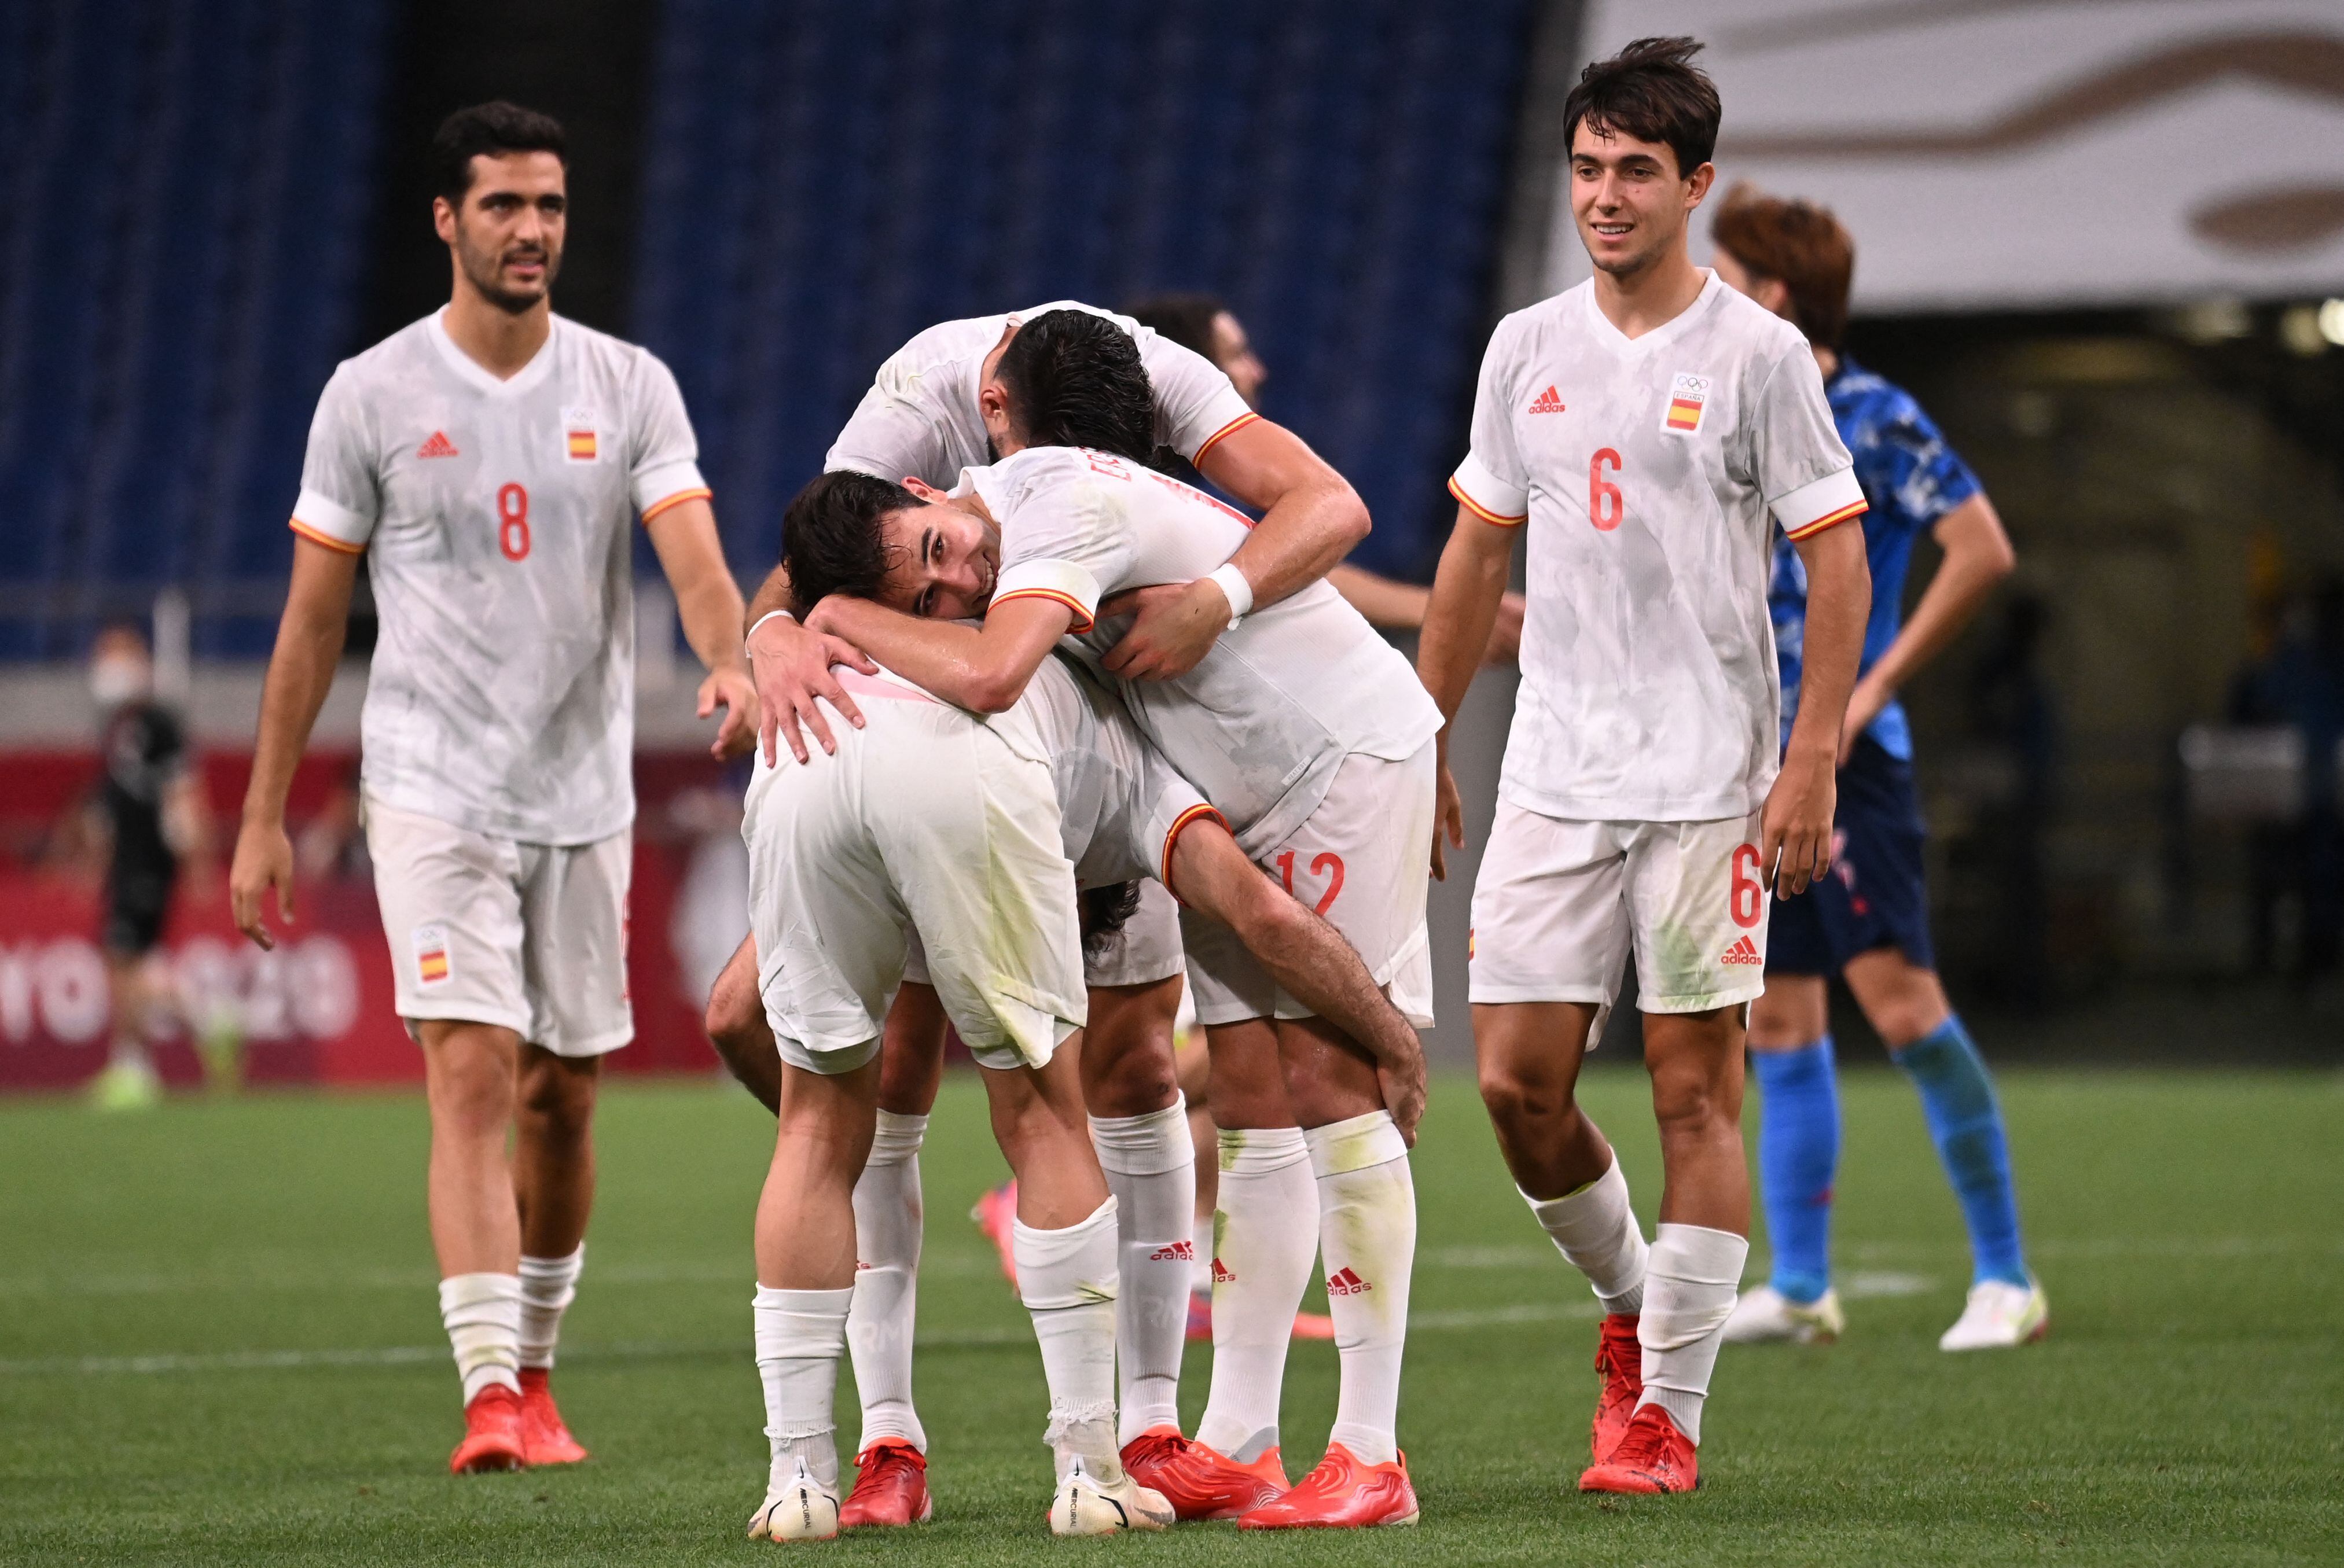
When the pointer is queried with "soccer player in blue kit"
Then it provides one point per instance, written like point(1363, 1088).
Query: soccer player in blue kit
point(1867, 920)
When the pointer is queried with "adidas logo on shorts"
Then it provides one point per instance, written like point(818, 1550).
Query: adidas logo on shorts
point(1743, 951)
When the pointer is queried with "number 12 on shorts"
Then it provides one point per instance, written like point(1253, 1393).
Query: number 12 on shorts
point(1326, 864)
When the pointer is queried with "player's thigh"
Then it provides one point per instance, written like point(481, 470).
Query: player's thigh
point(471, 1076)
point(1549, 923)
point(1358, 862)
point(1248, 1079)
point(1695, 1062)
point(1127, 1057)
point(1901, 1000)
point(733, 1007)
point(1329, 1079)
point(574, 945)
point(1526, 1056)
point(912, 1048)
point(451, 912)
point(556, 1090)
point(1699, 913)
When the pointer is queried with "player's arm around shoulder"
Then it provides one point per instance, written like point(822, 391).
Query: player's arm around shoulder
point(984, 668)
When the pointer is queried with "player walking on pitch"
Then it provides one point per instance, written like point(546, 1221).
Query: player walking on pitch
point(1644, 425)
point(1868, 921)
point(489, 458)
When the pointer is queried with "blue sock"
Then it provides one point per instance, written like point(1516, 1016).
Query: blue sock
point(1957, 1099)
point(1798, 1155)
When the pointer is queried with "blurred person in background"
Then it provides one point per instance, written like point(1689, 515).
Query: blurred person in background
point(1204, 323)
point(151, 805)
point(1868, 921)
point(2299, 685)
point(490, 461)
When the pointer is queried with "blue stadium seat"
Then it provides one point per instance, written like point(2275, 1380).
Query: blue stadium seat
point(822, 181)
point(190, 181)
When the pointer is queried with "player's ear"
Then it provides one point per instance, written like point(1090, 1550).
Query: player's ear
point(1697, 187)
point(443, 219)
point(922, 488)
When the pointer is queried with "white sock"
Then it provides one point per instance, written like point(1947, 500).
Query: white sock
point(547, 1286)
point(800, 1336)
point(886, 1280)
point(1151, 1169)
point(1068, 1281)
point(482, 1314)
point(1695, 1273)
point(1265, 1235)
point(1367, 1233)
point(1200, 1278)
point(1597, 1232)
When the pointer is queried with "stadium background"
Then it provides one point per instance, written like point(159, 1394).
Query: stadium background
point(2112, 274)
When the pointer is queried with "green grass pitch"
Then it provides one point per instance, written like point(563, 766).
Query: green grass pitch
point(219, 1343)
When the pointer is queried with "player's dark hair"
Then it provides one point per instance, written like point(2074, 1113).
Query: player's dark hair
point(1075, 379)
point(1105, 913)
point(1800, 246)
point(831, 541)
point(1185, 318)
point(494, 129)
point(1651, 91)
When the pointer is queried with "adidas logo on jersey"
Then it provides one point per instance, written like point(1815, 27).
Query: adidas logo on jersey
point(1344, 1281)
point(1176, 1253)
point(1547, 403)
point(438, 446)
point(1743, 951)
point(1222, 1273)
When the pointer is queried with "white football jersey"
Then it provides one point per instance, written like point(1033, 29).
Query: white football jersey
point(496, 518)
point(1262, 723)
point(1647, 468)
point(921, 421)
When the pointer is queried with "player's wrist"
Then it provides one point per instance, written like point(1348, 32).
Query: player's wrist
point(1234, 588)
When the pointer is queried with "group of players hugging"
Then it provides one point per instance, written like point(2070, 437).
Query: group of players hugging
point(1045, 734)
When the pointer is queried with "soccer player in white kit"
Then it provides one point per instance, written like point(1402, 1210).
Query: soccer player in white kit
point(951, 399)
point(1649, 427)
point(490, 461)
point(1294, 727)
point(971, 834)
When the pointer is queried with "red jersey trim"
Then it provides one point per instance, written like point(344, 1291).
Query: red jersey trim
point(1082, 616)
point(1853, 509)
point(1482, 512)
point(316, 537)
point(697, 493)
point(1234, 426)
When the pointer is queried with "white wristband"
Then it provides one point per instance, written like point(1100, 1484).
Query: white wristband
point(761, 619)
point(1233, 584)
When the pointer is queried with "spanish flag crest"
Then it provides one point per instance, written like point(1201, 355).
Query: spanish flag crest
point(1688, 394)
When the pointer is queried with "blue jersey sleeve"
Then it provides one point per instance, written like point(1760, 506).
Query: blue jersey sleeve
point(1904, 461)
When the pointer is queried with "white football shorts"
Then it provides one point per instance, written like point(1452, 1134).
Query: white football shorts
point(530, 937)
point(924, 819)
point(1146, 951)
point(1560, 904)
point(1362, 860)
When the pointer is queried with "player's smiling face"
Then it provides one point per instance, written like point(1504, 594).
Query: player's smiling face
point(1630, 202)
point(943, 557)
point(507, 233)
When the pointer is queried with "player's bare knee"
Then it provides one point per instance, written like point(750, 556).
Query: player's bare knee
point(1690, 1100)
point(1516, 1097)
point(559, 1092)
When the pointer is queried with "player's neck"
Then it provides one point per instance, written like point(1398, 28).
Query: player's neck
point(499, 341)
point(1651, 297)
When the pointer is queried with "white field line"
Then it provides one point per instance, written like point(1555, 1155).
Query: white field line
point(1527, 1256)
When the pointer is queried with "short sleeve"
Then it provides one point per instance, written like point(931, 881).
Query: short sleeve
point(1172, 806)
point(1802, 468)
point(1062, 536)
point(891, 436)
point(1492, 483)
point(1196, 403)
point(342, 493)
point(666, 469)
point(1927, 477)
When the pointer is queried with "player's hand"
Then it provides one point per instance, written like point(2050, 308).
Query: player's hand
point(1448, 821)
point(1506, 632)
point(736, 694)
point(1403, 1086)
point(1795, 843)
point(264, 859)
point(1176, 626)
point(1864, 706)
point(790, 664)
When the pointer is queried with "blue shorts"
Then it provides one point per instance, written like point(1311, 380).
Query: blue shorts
point(1876, 894)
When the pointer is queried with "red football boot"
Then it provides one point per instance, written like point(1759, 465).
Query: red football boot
point(1201, 1483)
point(1653, 1456)
point(492, 1435)
point(996, 1215)
point(544, 1438)
point(1340, 1494)
point(890, 1488)
point(1621, 1359)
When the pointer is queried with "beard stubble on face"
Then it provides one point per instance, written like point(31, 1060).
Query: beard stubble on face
point(482, 267)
